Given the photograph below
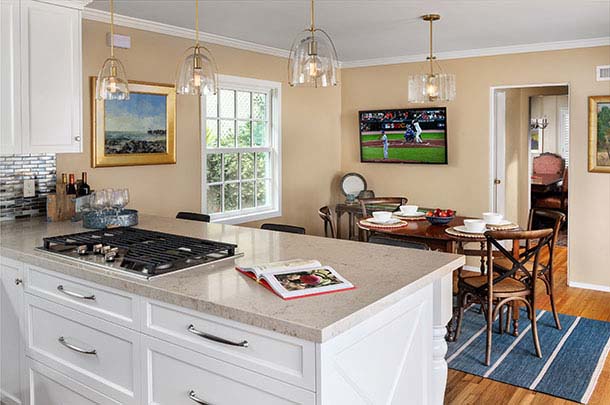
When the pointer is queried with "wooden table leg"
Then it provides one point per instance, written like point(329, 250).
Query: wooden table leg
point(482, 258)
point(339, 215)
point(350, 231)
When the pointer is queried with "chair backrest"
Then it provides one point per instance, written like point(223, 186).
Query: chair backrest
point(284, 228)
point(327, 216)
point(549, 163)
point(369, 205)
point(193, 216)
point(537, 239)
point(381, 240)
point(564, 183)
point(541, 219)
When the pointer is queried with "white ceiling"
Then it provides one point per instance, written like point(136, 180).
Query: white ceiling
point(382, 29)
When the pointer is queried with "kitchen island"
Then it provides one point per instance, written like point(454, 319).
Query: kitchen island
point(141, 341)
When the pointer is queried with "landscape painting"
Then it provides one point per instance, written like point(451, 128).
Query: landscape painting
point(137, 131)
point(599, 134)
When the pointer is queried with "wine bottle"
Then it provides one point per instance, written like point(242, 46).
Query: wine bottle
point(83, 188)
point(71, 189)
point(64, 182)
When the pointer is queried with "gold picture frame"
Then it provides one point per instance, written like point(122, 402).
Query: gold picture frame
point(599, 134)
point(139, 136)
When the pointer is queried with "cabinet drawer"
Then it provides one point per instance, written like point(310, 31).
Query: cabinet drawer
point(94, 352)
point(179, 376)
point(279, 356)
point(49, 387)
point(108, 304)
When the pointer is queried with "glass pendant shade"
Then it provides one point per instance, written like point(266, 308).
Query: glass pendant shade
point(313, 60)
point(111, 81)
point(425, 88)
point(197, 75)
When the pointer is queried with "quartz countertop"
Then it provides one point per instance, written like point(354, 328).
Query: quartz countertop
point(382, 274)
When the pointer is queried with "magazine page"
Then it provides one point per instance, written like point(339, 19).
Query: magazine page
point(295, 283)
point(292, 264)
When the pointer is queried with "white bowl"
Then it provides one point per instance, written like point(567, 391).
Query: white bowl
point(474, 225)
point(492, 218)
point(382, 216)
point(409, 209)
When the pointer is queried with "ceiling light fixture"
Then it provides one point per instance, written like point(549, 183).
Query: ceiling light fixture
point(313, 58)
point(431, 87)
point(111, 80)
point(198, 72)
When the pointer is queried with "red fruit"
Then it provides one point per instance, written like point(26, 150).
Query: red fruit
point(443, 214)
point(310, 279)
point(450, 213)
point(429, 214)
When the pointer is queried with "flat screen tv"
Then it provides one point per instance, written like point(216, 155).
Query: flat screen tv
point(410, 135)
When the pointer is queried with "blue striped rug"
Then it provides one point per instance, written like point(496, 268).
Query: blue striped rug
point(572, 358)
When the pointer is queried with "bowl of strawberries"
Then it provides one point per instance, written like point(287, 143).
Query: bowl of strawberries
point(440, 217)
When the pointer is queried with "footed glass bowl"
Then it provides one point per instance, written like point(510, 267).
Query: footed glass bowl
point(440, 220)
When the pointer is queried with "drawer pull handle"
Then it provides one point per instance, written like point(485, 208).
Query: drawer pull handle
point(75, 295)
point(204, 335)
point(195, 398)
point(76, 348)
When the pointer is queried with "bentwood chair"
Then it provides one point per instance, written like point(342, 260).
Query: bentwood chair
point(193, 216)
point(369, 205)
point(284, 228)
point(382, 240)
point(326, 215)
point(500, 286)
point(541, 219)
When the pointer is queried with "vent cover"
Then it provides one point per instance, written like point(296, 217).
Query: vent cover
point(603, 73)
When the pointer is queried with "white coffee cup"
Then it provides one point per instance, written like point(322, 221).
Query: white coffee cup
point(382, 216)
point(474, 225)
point(492, 218)
point(408, 209)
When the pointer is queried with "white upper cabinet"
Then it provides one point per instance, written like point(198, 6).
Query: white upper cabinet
point(42, 111)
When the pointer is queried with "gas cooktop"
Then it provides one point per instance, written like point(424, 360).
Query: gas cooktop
point(139, 252)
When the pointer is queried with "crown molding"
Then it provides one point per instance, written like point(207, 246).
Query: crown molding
point(474, 53)
point(77, 4)
point(160, 28)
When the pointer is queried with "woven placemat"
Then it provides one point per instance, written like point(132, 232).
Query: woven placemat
point(453, 232)
point(506, 227)
point(419, 218)
point(368, 224)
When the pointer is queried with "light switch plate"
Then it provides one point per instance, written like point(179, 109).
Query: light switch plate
point(29, 188)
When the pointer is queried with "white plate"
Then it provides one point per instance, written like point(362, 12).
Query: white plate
point(416, 215)
point(462, 228)
point(501, 223)
point(390, 221)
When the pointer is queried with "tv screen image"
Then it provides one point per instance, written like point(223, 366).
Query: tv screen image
point(413, 135)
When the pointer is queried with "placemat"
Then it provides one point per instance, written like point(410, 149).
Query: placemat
point(419, 218)
point(368, 224)
point(506, 227)
point(452, 231)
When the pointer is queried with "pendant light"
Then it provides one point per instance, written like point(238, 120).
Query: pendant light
point(313, 58)
point(197, 74)
point(111, 80)
point(431, 87)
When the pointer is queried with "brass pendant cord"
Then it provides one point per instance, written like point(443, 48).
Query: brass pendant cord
point(196, 23)
point(312, 18)
point(431, 54)
point(112, 29)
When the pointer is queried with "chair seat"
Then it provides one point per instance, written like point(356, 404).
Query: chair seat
point(508, 285)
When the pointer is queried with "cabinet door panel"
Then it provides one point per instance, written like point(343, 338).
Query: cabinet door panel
point(11, 353)
point(51, 78)
point(10, 137)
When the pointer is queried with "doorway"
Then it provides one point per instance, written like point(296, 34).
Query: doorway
point(529, 126)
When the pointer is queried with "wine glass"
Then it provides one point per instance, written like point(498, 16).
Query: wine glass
point(98, 200)
point(109, 198)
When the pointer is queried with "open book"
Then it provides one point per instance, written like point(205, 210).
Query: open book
point(297, 278)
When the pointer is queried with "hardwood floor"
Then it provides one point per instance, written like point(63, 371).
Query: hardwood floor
point(465, 388)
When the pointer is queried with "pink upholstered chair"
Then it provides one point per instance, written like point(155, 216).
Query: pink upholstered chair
point(549, 163)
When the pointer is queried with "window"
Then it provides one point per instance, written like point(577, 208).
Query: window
point(564, 134)
point(241, 150)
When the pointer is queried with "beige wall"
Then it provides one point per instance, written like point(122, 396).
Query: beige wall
point(463, 184)
point(310, 130)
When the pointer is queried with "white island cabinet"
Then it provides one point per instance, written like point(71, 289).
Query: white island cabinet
point(75, 334)
point(41, 76)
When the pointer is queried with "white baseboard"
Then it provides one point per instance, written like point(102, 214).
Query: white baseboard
point(472, 268)
point(587, 286)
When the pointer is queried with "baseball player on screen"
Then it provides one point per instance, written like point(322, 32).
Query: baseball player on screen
point(386, 144)
point(418, 132)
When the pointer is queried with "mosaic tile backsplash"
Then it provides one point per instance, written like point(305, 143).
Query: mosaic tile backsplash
point(14, 169)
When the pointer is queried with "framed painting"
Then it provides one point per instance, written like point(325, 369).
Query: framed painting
point(599, 134)
point(138, 131)
point(536, 139)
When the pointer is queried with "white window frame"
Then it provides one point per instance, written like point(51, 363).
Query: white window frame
point(274, 90)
